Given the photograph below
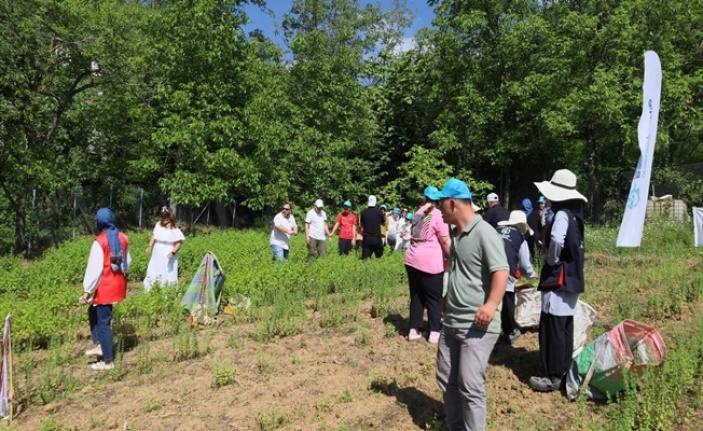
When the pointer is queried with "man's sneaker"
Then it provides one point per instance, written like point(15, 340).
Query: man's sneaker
point(514, 336)
point(95, 351)
point(433, 338)
point(414, 335)
point(545, 384)
point(102, 366)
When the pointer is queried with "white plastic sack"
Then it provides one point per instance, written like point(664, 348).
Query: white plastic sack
point(528, 307)
point(583, 320)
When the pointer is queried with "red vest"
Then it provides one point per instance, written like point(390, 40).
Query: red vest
point(113, 285)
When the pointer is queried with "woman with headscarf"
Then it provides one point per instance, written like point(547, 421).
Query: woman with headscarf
point(166, 240)
point(105, 284)
point(561, 279)
point(424, 262)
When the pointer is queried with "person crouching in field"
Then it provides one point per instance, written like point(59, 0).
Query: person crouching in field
point(561, 280)
point(104, 284)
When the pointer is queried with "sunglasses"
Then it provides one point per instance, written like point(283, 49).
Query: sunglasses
point(286, 209)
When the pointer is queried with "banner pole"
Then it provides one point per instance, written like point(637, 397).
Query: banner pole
point(11, 395)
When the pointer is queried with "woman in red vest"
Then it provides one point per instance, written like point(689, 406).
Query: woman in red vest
point(104, 284)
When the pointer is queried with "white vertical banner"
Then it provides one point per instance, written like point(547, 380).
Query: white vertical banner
point(630, 234)
point(698, 226)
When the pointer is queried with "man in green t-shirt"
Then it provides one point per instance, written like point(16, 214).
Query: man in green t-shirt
point(477, 281)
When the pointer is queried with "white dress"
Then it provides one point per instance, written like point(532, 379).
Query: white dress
point(161, 269)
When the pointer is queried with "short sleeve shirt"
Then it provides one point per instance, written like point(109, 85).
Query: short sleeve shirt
point(346, 225)
point(317, 222)
point(477, 252)
point(425, 252)
point(279, 238)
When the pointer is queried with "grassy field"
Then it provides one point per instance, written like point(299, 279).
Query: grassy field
point(322, 346)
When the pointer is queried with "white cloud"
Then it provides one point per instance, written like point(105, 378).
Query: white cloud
point(407, 44)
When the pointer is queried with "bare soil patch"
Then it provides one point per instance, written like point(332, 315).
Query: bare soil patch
point(361, 376)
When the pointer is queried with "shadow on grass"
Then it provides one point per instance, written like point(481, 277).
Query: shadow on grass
point(522, 362)
point(422, 408)
point(400, 323)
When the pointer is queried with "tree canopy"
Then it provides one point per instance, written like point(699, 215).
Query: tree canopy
point(175, 98)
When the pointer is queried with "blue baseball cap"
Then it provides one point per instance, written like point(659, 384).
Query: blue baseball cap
point(432, 193)
point(347, 204)
point(383, 206)
point(455, 189)
point(396, 210)
point(409, 216)
point(541, 199)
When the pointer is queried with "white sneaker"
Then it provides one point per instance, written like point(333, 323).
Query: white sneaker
point(102, 366)
point(433, 338)
point(414, 335)
point(95, 351)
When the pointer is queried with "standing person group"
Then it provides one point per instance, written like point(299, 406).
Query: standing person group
point(164, 244)
point(484, 262)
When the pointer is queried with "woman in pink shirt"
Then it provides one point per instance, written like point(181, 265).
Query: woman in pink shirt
point(424, 262)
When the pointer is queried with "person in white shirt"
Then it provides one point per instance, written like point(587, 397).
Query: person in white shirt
point(404, 231)
point(284, 226)
point(166, 241)
point(316, 231)
point(394, 221)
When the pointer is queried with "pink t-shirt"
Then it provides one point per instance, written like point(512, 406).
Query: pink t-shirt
point(425, 252)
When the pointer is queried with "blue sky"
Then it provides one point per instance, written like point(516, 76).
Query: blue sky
point(261, 20)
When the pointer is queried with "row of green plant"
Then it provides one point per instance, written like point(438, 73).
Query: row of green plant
point(42, 295)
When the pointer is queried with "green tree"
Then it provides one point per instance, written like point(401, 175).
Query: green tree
point(335, 148)
point(54, 54)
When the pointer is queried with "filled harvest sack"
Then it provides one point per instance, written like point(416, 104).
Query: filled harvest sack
point(598, 371)
point(528, 306)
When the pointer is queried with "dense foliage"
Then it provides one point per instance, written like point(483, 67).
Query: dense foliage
point(173, 97)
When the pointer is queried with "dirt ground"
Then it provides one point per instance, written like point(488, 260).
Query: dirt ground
point(361, 376)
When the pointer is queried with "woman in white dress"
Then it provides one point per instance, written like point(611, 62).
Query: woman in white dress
point(165, 241)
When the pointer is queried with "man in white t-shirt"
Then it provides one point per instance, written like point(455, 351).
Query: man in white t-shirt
point(316, 231)
point(283, 227)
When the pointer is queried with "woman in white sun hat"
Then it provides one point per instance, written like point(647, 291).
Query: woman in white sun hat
point(561, 279)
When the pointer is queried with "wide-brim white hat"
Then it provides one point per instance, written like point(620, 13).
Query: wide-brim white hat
point(562, 187)
point(517, 219)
